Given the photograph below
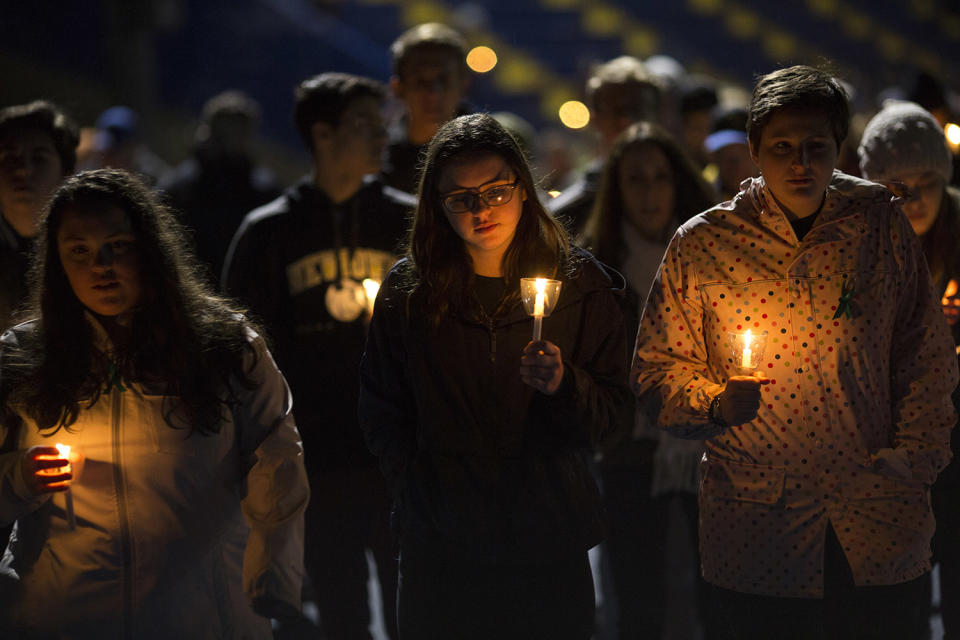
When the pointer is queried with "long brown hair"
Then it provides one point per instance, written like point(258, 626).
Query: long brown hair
point(183, 336)
point(440, 271)
point(692, 194)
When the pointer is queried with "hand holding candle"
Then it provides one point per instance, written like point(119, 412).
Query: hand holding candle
point(45, 470)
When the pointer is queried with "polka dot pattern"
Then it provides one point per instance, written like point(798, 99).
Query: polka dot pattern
point(856, 420)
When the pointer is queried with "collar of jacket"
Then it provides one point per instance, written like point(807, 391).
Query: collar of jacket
point(837, 220)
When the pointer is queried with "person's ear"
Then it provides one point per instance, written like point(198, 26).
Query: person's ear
point(754, 155)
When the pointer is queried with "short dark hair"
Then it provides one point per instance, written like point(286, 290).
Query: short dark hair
point(325, 97)
point(231, 103)
point(625, 70)
point(798, 87)
point(49, 118)
point(429, 35)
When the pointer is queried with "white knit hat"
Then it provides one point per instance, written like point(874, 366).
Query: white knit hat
point(903, 138)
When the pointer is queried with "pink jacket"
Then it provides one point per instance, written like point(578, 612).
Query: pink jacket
point(856, 422)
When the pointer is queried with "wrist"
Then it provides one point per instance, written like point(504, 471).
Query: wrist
point(715, 414)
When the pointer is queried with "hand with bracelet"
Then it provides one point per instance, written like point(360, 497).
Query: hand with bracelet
point(739, 401)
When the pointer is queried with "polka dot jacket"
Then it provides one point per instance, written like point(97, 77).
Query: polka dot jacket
point(856, 422)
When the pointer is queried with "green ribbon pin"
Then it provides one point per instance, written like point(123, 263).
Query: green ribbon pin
point(845, 304)
point(114, 379)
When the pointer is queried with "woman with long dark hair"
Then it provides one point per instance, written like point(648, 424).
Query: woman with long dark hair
point(482, 432)
point(648, 188)
point(186, 519)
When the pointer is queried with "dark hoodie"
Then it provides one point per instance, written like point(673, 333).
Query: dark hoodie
point(283, 262)
point(479, 461)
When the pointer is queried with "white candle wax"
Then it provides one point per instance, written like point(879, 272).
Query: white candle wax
point(745, 360)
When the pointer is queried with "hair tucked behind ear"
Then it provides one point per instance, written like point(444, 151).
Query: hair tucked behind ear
point(183, 336)
point(440, 269)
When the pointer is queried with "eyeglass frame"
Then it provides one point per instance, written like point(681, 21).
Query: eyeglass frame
point(479, 195)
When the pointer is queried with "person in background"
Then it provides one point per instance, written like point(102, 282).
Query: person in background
point(482, 433)
point(826, 424)
point(117, 142)
point(431, 78)
point(221, 182)
point(729, 150)
point(38, 143)
point(308, 264)
point(179, 507)
point(698, 97)
point(903, 147)
point(648, 188)
point(619, 92)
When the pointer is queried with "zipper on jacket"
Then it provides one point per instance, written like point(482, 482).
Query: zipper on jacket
point(126, 554)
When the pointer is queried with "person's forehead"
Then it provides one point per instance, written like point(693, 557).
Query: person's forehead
point(29, 138)
point(429, 61)
point(476, 169)
point(364, 104)
point(798, 122)
point(82, 222)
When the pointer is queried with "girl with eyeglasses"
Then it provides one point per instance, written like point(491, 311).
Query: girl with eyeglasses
point(483, 434)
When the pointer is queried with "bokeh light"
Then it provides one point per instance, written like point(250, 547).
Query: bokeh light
point(482, 59)
point(574, 114)
point(952, 132)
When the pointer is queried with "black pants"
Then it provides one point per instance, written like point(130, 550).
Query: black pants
point(349, 513)
point(946, 551)
point(846, 612)
point(445, 596)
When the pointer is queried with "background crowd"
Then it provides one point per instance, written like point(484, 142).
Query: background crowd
point(304, 255)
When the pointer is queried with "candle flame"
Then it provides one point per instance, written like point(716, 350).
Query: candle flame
point(63, 449)
point(949, 293)
point(538, 303)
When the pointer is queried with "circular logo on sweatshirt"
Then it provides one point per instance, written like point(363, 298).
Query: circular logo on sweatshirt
point(346, 300)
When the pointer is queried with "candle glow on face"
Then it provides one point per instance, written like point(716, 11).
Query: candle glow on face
point(371, 287)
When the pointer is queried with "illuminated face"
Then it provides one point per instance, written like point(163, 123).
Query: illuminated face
point(486, 230)
point(796, 155)
point(98, 251)
point(923, 194)
point(359, 137)
point(30, 170)
point(647, 189)
point(431, 84)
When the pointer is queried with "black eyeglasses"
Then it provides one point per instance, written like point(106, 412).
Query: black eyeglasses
point(464, 201)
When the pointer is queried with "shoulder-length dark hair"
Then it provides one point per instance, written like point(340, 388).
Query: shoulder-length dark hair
point(692, 194)
point(182, 336)
point(440, 269)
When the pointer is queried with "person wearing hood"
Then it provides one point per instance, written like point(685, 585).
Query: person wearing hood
point(826, 424)
point(481, 432)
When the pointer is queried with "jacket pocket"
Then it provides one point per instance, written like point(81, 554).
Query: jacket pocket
point(741, 482)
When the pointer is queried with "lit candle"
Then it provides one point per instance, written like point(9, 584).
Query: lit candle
point(746, 360)
point(64, 451)
point(371, 287)
point(541, 286)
